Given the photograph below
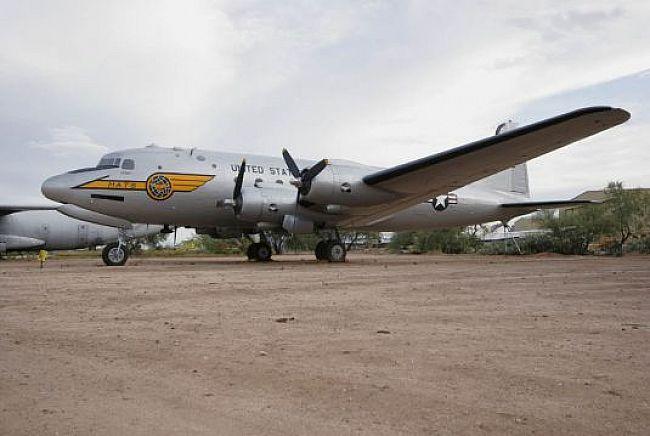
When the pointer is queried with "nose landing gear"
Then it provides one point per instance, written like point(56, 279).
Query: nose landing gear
point(115, 254)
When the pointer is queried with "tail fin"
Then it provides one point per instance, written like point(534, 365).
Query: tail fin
point(515, 179)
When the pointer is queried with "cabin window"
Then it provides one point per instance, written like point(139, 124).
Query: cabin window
point(128, 164)
point(200, 158)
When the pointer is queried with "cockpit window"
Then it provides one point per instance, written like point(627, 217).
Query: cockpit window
point(128, 164)
point(108, 162)
point(105, 163)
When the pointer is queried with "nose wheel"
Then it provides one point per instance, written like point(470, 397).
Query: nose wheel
point(332, 251)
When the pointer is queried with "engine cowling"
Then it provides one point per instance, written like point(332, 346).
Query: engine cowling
point(266, 205)
point(342, 184)
point(296, 224)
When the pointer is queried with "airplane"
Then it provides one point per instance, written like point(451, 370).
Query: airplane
point(222, 195)
point(62, 227)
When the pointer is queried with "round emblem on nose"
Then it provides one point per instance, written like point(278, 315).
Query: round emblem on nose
point(159, 187)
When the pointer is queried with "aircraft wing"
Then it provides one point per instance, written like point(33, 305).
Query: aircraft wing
point(9, 209)
point(422, 179)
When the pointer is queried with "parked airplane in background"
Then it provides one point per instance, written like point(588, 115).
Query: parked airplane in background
point(32, 228)
point(222, 195)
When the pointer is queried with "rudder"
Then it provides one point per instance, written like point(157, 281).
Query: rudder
point(514, 179)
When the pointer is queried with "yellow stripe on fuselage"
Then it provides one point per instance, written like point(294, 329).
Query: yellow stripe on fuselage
point(187, 182)
point(128, 185)
point(179, 182)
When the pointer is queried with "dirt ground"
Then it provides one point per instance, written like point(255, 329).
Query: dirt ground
point(380, 345)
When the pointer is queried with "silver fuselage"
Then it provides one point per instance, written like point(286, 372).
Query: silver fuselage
point(51, 230)
point(126, 193)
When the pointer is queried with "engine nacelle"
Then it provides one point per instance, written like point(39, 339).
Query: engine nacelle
point(342, 184)
point(266, 205)
point(296, 224)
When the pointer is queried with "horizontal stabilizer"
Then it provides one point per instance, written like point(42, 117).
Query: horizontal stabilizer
point(553, 204)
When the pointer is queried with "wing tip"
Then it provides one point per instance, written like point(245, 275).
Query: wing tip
point(624, 114)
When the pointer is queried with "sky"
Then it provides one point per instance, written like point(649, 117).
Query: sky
point(379, 82)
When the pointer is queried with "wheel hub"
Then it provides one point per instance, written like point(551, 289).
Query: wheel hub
point(116, 255)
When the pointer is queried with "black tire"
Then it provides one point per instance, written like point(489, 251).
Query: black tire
point(335, 251)
point(320, 250)
point(262, 252)
point(115, 254)
point(250, 251)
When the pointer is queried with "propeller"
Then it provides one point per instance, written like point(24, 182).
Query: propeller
point(237, 200)
point(305, 176)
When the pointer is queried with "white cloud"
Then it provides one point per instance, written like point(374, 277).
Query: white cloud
point(69, 140)
point(374, 81)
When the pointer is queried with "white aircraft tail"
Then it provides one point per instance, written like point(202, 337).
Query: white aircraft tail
point(514, 179)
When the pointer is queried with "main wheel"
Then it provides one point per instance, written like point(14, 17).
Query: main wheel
point(261, 252)
point(115, 254)
point(250, 251)
point(335, 251)
point(320, 250)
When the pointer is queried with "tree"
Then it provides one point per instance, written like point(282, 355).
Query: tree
point(450, 241)
point(208, 244)
point(574, 229)
point(625, 214)
point(629, 211)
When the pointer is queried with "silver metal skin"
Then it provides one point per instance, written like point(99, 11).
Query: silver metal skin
point(201, 208)
point(51, 230)
point(481, 182)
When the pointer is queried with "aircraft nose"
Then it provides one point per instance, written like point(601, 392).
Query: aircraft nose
point(55, 188)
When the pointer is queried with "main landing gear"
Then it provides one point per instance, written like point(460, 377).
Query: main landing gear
point(332, 250)
point(260, 251)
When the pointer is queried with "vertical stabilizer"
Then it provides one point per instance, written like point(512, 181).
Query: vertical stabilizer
point(514, 179)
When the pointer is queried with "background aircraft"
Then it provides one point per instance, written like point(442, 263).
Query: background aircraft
point(31, 228)
point(222, 195)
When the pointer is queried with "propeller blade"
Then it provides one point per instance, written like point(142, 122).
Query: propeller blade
point(239, 181)
point(175, 228)
point(315, 170)
point(291, 164)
